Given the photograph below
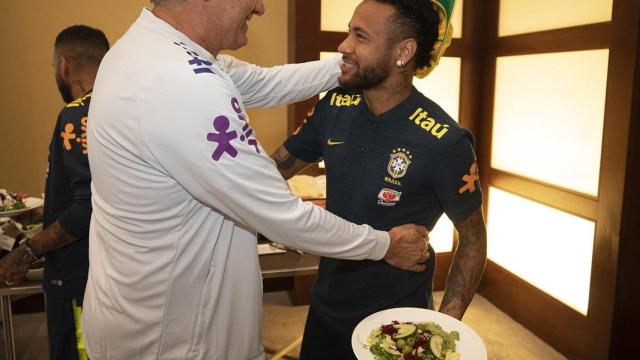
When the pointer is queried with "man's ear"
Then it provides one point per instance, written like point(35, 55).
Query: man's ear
point(407, 50)
point(64, 64)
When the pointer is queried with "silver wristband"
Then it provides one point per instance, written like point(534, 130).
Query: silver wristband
point(30, 255)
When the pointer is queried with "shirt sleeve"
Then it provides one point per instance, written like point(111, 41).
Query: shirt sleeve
point(305, 143)
point(76, 218)
point(280, 85)
point(207, 146)
point(457, 181)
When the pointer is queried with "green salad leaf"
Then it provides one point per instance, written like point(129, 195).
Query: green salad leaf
point(413, 341)
point(380, 354)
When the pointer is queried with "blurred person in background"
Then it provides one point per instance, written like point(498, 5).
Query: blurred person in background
point(64, 242)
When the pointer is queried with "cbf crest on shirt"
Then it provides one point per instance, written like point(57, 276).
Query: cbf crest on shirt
point(399, 162)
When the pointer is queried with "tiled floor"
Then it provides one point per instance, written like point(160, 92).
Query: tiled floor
point(30, 332)
point(505, 339)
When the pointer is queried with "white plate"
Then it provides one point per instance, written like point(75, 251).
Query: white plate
point(470, 346)
point(30, 202)
point(266, 249)
point(35, 274)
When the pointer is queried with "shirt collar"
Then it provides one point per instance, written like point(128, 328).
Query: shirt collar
point(155, 24)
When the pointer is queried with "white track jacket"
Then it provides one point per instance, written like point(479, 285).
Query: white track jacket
point(180, 187)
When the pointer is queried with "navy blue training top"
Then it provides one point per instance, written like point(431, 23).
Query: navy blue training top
point(68, 200)
point(408, 165)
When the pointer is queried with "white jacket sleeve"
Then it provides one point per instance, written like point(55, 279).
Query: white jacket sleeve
point(280, 85)
point(202, 140)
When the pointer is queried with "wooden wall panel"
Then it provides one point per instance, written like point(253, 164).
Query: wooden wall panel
point(575, 335)
point(586, 37)
point(552, 321)
point(625, 331)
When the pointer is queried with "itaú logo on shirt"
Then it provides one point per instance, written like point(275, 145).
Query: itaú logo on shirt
point(428, 124)
point(345, 100)
point(388, 197)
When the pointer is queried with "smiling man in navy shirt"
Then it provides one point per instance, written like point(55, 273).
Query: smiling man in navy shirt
point(392, 156)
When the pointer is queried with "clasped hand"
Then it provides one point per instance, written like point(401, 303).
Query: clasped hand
point(408, 248)
point(13, 267)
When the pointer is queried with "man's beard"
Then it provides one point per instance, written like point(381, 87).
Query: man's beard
point(65, 90)
point(369, 77)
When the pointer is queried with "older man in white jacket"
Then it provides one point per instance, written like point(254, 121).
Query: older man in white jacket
point(180, 186)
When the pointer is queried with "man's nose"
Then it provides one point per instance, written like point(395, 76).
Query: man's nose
point(260, 8)
point(345, 46)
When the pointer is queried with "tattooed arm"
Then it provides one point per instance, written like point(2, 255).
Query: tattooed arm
point(15, 265)
point(288, 165)
point(467, 266)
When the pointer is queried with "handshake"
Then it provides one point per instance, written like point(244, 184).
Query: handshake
point(408, 248)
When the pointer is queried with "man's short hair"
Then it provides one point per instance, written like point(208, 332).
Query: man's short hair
point(165, 2)
point(82, 43)
point(416, 19)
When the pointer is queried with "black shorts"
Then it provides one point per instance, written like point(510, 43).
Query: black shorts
point(61, 326)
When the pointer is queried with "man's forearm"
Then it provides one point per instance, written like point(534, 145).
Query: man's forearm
point(467, 266)
point(50, 239)
point(15, 265)
point(287, 164)
point(31, 217)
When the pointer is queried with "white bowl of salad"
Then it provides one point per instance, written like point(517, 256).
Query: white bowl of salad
point(10, 202)
point(415, 334)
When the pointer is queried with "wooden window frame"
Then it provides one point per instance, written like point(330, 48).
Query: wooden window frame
point(573, 334)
